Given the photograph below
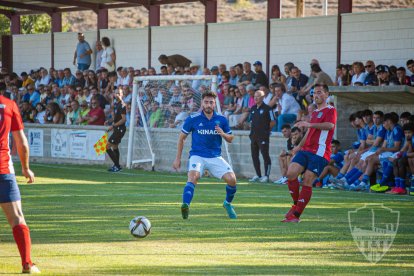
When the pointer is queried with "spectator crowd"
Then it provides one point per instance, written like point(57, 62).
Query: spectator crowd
point(86, 97)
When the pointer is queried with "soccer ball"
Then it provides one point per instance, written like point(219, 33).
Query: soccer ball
point(140, 227)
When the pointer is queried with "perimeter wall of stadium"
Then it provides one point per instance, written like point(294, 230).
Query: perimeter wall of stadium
point(385, 37)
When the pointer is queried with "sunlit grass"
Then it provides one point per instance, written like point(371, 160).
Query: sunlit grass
point(79, 218)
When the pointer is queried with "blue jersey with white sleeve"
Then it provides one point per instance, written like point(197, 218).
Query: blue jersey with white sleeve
point(206, 142)
point(380, 131)
point(362, 134)
point(394, 135)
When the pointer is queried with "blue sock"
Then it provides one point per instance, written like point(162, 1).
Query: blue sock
point(340, 175)
point(402, 182)
point(230, 192)
point(387, 172)
point(356, 175)
point(350, 174)
point(365, 179)
point(188, 193)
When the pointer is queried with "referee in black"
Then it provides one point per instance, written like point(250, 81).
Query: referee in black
point(262, 122)
point(119, 129)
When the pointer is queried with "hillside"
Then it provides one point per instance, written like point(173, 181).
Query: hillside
point(243, 10)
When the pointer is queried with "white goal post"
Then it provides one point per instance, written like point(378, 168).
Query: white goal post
point(136, 100)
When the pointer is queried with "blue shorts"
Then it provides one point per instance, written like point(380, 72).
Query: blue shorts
point(9, 191)
point(83, 66)
point(310, 161)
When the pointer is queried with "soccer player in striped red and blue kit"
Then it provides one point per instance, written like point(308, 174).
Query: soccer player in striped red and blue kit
point(208, 129)
point(10, 200)
point(313, 153)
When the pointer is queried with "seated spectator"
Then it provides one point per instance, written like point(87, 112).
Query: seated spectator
point(321, 76)
point(68, 79)
point(235, 115)
point(26, 80)
point(96, 115)
point(26, 112)
point(277, 76)
point(410, 66)
point(296, 81)
point(180, 116)
point(405, 118)
point(34, 96)
point(371, 77)
point(127, 94)
point(333, 167)
point(84, 111)
point(285, 155)
point(176, 97)
point(384, 78)
point(346, 75)
point(287, 107)
point(39, 118)
point(359, 74)
point(233, 76)
point(261, 77)
point(54, 114)
point(403, 79)
point(79, 79)
point(155, 118)
point(72, 116)
point(248, 103)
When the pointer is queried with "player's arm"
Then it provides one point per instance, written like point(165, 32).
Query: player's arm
point(23, 151)
point(321, 126)
point(180, 146)
point(226, 136)
point(300, 145)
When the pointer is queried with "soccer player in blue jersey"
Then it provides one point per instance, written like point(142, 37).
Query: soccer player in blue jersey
point(207, 131)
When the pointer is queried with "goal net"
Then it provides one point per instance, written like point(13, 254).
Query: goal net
point(163, 102)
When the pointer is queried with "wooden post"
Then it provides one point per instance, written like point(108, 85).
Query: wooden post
point(300, 8)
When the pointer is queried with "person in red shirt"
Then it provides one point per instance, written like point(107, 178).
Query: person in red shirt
point(10, 200)
point(312, 154)
point(96, 115)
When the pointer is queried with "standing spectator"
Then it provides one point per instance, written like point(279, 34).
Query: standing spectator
point(287, 107)
point(174, 60)
point(410, 66)
point(371, 78)
point(359, 74)
point(10, 199)
point(261, 77)
point(262, 122)
point(108, 55)
point(98, 54)
point(82, 53)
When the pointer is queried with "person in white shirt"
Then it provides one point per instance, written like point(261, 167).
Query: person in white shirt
point(359, 73)
point(108, 55)
point(287, 106)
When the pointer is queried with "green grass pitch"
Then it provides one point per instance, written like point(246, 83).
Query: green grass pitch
point(79, 217)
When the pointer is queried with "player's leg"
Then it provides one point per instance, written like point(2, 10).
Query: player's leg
point(195, 168)
point(401, 164)
point(255, 148)
point(296, 167)
point(111, 154)
point(219, 168)
point(264, 149)
point(10, 202)
point(283, 164)
point(112, 147)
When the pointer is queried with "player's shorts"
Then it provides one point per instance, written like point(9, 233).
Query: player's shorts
point(117, 135)
point(366, 154)
point(385, 155)
point(217, 166)
point(9, 190)
point(310, 161)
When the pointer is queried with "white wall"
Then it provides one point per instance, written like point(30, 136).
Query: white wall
point(299, 40)
point(65, 46)
point(184, 40)
point(236, 42)
point(384, 37)
point(31, 52)
point(131, 46)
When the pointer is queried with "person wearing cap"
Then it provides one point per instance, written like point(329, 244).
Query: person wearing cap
point(82, 53)
point(261, 77)
point(26, 80)
point(174, 60)
point(195, 71)
point(384, 78)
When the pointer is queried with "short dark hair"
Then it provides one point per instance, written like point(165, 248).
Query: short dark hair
point(401, 69)
point(393, 117)
point(368, 112)
point(289, 65)
point(409, 127)
point(286, 126)
point(336, 142)
point(279, 85)
point(323, 85)
point(380, 113)
point(106, 42)
point(359, 114)
point(209, 94)
point(294, 129)
point(112, 74)
point(316, 68)
point(411, 119)
point(405, 115)
point(410, 61)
